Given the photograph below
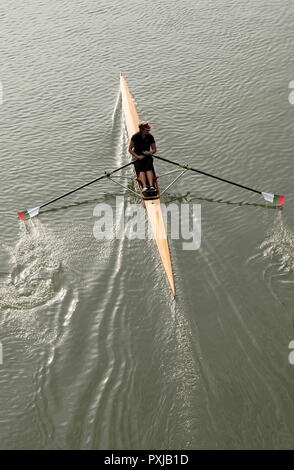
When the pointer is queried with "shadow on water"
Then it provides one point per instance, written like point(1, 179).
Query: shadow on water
point(188, 197)
point(168, 198)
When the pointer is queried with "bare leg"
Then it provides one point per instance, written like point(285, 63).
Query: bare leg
point(150, 176)
point(142, 178)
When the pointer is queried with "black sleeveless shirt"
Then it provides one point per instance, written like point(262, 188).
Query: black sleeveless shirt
point(142, 145)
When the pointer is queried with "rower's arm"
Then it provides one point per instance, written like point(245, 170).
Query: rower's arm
point(131, 149)
point(153, 148)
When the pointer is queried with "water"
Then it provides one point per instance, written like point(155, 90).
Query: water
point(96, 354)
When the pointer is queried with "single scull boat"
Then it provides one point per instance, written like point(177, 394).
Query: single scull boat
point(152, 204)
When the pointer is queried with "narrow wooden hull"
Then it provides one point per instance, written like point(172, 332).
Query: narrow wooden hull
point(152, 205)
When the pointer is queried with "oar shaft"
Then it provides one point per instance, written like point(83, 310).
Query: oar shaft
point(107, 173)
point(206, 174)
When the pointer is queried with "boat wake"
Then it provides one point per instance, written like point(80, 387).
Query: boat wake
point(187, 376)
point(116, 109)
point(119, 137)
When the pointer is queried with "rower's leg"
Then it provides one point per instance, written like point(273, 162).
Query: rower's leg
point(150, 177)
point(142, 178)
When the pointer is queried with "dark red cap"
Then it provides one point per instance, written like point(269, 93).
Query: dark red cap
point(145, 125)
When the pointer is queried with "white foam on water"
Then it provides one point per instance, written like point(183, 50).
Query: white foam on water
point(35, 260)
point(279, 244)
point(116, 108)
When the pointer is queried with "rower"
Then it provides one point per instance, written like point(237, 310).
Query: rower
point(139, 148)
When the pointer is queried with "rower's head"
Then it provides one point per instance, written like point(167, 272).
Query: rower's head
point(145, 127)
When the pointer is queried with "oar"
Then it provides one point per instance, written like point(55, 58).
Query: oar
point(273, 198)
point(29, 213)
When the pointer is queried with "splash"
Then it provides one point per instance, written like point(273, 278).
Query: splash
point(279, 243)
point(36, 261)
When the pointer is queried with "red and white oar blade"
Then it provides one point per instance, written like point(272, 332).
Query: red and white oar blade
point(28, 213)
point(274, 198)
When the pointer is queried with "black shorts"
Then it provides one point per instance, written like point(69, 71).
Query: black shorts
point(146, 164)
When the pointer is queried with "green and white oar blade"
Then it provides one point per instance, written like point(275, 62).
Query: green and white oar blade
point(28, 213)
point(274, 198)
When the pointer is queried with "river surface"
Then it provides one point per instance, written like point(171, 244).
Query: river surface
point(96, 353)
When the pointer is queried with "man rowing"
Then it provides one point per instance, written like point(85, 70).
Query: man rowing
point(139, 148)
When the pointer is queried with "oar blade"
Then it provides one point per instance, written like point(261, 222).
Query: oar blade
point(274, 198)
point(28, 213)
